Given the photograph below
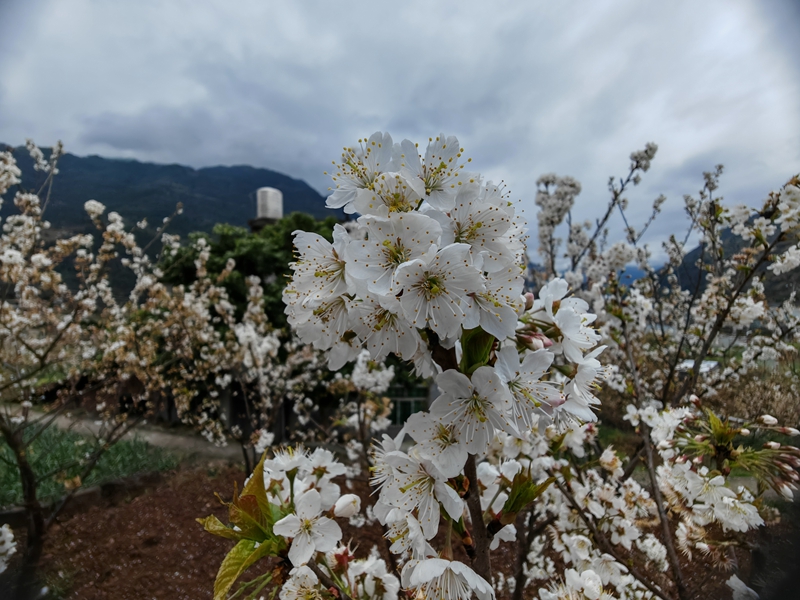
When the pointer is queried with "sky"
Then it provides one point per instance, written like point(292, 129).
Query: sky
point(528, 87)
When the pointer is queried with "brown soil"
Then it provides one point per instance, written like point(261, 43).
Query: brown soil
point(150, 546)
point(147, 544)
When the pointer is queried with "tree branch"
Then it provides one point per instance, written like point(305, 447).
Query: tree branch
point(603, 543)
point(482, 561)
point(327, 581)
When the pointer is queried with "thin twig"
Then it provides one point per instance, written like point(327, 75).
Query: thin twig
point(603, 543)
point(327, 581)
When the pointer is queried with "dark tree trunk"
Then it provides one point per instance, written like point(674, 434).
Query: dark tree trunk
point(26, 587)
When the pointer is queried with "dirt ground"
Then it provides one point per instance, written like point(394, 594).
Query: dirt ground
point(146, 544)
point(143, 547)
point(149, 546)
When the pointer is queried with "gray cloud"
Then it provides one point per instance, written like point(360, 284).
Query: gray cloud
point(528, 87)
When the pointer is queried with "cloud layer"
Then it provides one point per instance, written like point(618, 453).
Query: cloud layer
point(529, 87)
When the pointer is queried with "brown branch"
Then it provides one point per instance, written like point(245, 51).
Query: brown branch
point(91, 465)
point(482, 562)
point(672, 555)
point(327, 581)
point(524, 541)
point(634, 462)
point(603, 543)
point(722, 315)
point(34, 513)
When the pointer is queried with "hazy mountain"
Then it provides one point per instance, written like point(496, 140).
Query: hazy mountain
point(777, 288)
point(137, 190)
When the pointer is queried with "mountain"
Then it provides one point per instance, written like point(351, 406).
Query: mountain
point(138, 190)
point(777, 288)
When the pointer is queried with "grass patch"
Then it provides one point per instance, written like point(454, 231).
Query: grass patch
point(54, 449)
point(625, 441)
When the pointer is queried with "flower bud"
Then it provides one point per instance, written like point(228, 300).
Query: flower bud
point(347, 506)
point(528, 301)
point(789, 431)
point(530, 341)
point(786, 491)
point(772, 445)
point(768, 420)
point(744, 431)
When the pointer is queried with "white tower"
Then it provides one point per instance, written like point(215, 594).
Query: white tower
point(270, 204)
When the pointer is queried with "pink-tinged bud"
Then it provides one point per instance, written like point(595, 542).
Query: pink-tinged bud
point(694, 400)
point(793, 476)
point(772, 445)
point(664, 444)
point(546, 341)
point(700, 437)
point(744, 431)
point(533, 341)
point(768, 420)
point(698, 460)
point(347, 506)
point(528, 301)
point(789, 431)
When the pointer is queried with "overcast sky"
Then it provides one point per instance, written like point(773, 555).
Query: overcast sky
point(528, 87)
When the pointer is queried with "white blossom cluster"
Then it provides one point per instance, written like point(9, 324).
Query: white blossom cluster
point(299, 484)
point(620, 508)
point(433, 273)
point(369, 376)
point(443, 251)
point(8, 546)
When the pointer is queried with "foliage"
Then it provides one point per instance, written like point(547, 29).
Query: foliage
point(55, 450)
point(265, 254)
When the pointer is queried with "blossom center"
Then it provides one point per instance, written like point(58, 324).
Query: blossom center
point(396, 254)
point(477, 406)
point(432, 286)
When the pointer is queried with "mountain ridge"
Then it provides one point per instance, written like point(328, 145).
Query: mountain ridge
point(138, 189)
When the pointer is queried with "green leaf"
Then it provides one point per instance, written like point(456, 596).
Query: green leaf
point(247, 516)
point(238, 560)
point(213, 525)
point(255, 487)
point(476, 346)
point(523, 491)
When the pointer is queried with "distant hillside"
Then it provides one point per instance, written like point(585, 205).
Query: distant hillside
point(137, 190)
point(776, 288)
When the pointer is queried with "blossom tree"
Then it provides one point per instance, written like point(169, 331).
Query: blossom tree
point(661, 334)
point(76, 342)
point(434, 273)
point(71, 340)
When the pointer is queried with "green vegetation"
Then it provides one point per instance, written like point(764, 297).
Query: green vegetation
point(265, 254)
point(54, 449)
point(625, 441)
